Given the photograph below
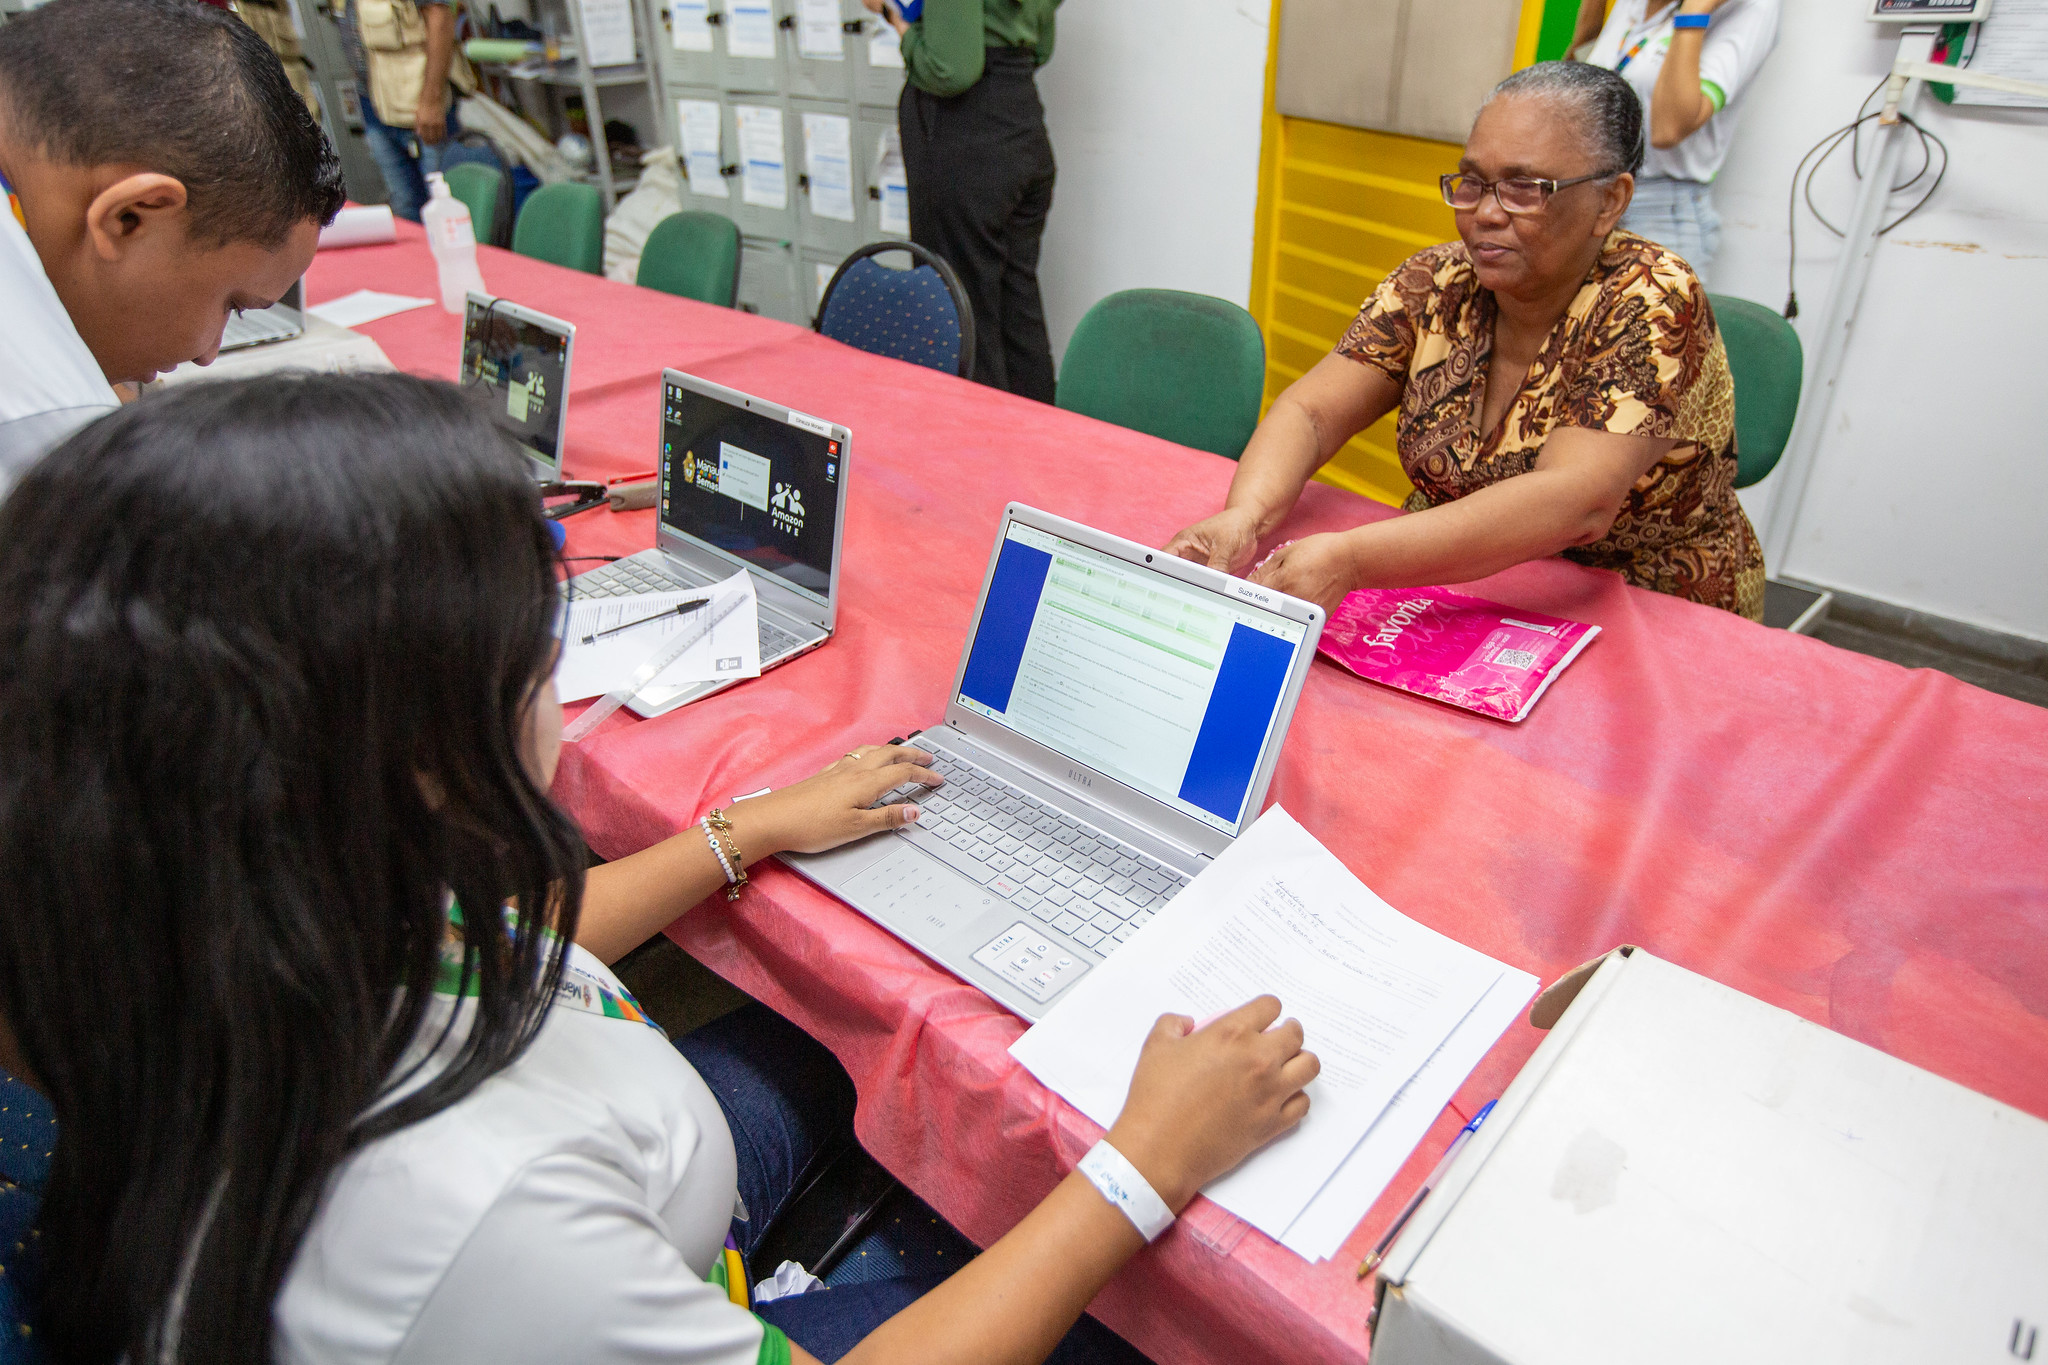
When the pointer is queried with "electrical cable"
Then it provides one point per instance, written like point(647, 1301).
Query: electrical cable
point(1818, 155)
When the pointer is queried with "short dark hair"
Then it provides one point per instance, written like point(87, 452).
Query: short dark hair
point(1610, 116)
point(182, 88)
point(263, 714)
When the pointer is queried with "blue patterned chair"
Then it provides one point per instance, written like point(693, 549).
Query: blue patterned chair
point(919, 315)
point(28, 1134)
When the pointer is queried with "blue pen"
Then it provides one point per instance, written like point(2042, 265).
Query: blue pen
point(1379, 1252)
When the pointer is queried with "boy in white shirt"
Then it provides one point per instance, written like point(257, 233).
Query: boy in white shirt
point(160, 173)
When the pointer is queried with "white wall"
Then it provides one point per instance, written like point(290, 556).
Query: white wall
point(1931, 482)
point(1154, 110)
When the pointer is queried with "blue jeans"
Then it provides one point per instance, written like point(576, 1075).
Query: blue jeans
point(1679, 214)
point(403, 160)
point(790, 1105)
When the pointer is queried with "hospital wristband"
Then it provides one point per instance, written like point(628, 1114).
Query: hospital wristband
point(1121, 1185)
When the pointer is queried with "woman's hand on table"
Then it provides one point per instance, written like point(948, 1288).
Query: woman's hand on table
point(1320, 569)
point(1225, 541)
point(1205, 1099)
point(835, 805)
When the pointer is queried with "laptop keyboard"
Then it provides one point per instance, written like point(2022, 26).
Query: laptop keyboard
point(1093, 888)
point(631, 577)
point(249, 329)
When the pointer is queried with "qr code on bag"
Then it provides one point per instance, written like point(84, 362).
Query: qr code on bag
point(1516, 658)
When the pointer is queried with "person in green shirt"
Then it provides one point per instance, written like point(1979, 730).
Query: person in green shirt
point(980, 167)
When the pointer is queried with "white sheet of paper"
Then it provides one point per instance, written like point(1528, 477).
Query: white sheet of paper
point(750, 29)
point(828, 161)
point(687, 27)
point(703, 149)
point(894, 185)
point(2012, 42)
point(1376, 994)
point(1318, 1232)
point(732, 650)
point(818, 35)
point(825, 274)
point(884, 47)
point(365, 305)
point(608, 32)
point(765, 179)
point(359, 225)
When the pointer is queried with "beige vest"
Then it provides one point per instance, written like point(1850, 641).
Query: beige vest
point(394, 38)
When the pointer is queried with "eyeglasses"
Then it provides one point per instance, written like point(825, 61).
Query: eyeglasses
point(1520, 194)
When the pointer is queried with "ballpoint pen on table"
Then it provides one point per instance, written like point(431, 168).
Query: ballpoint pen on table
point(680, 609)
point(1379, 1251)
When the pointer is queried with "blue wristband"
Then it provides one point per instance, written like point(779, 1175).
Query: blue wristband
point(1692, 21)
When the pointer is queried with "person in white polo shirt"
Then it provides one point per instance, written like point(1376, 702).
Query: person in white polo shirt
point(280, 727)
point(160, 173)
point(1690, 61)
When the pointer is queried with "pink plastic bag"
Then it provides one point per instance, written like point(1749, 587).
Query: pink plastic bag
point(1443, 645)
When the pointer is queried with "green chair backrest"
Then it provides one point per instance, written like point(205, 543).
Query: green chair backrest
point(695, 256)
point(1768, 363)
point(562, 223)
point(477, 186)
point(1183, 367)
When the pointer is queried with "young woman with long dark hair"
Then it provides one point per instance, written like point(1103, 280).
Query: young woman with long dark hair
point(276, 734)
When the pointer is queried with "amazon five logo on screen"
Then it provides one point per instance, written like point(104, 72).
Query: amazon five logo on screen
point(786, 508)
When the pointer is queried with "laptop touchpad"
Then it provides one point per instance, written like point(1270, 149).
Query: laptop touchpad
point(918, 897)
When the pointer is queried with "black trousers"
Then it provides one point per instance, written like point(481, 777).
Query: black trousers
point(980, 170)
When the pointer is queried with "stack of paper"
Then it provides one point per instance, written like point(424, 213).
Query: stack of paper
point(598, 655)
point(1398, 1014)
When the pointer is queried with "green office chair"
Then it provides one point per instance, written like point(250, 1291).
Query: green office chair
point(1765, 357)
point(694, 256)
point(1183, 367)
point(562, 223)
point(479, 187)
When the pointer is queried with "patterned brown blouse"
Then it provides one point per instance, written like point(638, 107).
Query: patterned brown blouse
point(1637, 353)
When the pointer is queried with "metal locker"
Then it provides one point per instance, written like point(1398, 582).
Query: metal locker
point(831, 180)
point(877, 64)
point(885, 204)
point(815, 269)
point(768, 282)
point(721, 168)
point(752, 47)
point(693, 61)
point(821, 27)
point(757, 129)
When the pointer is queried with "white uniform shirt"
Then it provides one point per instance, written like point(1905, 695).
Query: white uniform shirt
point(50, 385)
point(567, 1210)
point(1741, 37)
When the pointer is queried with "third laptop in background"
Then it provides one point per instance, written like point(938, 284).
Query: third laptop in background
point(1113, 726)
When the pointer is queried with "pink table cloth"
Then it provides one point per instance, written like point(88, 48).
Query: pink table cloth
point(1856, 842)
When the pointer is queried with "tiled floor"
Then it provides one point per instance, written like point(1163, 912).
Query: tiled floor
point(2007, 666)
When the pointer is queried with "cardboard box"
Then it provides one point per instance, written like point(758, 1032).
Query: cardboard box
point(1684, 1174)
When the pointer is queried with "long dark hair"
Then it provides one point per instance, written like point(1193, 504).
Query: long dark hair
point(269, 648)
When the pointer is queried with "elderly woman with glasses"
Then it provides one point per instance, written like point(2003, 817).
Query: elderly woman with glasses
point(1562, 386)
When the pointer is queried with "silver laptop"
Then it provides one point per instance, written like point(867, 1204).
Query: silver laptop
point(745, 484)
point(1114, 724)
point(281, 321)
point(520, 360)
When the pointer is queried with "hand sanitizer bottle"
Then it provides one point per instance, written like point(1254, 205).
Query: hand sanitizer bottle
point(453, 242)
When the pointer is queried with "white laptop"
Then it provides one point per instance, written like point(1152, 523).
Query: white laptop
point(1114, 724)
point(281, 321)
point(520, 360)
point(745, 484)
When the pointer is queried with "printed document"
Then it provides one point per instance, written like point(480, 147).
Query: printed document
point(1376, 994)
point(608, 32)
point(884, 47)
point(818, 35)
point(893, 184)
point(593, 664)
point(750, 29)
point(702, 147)
point(828, 161)
point(1319, 1232)
point(689, 25)
point(764, 181)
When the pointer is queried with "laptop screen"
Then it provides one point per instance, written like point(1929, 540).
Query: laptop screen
point(752, 485)
point(1168, 687)
point(522, 364)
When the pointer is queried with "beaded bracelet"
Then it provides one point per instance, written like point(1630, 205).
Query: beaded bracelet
point(729, 859)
